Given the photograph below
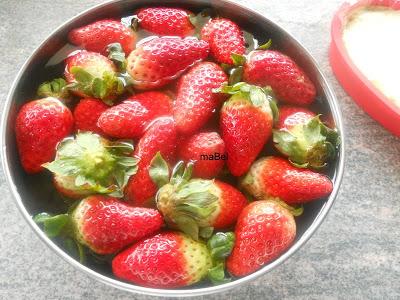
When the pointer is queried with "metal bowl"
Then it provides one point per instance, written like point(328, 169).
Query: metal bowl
point(35, 193)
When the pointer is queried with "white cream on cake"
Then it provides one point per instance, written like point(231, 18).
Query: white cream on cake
point(372, 39)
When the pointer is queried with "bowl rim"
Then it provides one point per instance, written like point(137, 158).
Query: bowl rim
point(356, 84)
point(336, 113)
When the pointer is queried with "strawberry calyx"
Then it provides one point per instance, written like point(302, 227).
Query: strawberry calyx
point(309, 145)
point(220, 246)
point(296, 211)
point(265, 46)
point(235, 71)
point(56, 88)
point(96, 165)
point(201, 19)
point(134, 23)
point(62, 226)
point(117, 55)
point(186, 204)
point(105, 88)
point(260, 97)
point(53, 225)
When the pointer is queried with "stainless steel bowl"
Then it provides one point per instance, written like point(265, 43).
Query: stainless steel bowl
point(33, 195)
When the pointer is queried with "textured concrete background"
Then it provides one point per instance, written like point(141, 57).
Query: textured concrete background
point(354, 255)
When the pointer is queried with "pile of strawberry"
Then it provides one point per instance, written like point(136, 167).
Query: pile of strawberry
point(162, 210)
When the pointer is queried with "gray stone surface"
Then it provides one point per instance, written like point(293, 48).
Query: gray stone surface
point(354, 255)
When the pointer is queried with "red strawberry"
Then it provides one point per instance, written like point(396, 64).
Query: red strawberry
point(86, 114)
point(158, 61)
point(89, 164)
point(125, 120)
point(246, 125)
point(225, 38)
point(165, 21)
point(130, 118)
point(161, 136)
point(274, 177)
point(291, 116)
point(40, 126)
point(91, 74)
point(167, 260)
point(104, 224)
point(194, 206)
point(303, 138)
point(287, 79)
point(98, 35)
point(264, 231)
point(157, 103)
point(202, 149)
point(196, 102)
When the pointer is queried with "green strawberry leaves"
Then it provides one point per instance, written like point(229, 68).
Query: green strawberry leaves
point(265, 46)
point(95, 164)
point(191, 206)
point(198, 21)
point(61, 226)
point(53, 225)
point(186, 203)
point(159, 170)
point(76, 249)
point(262, 98)
point(296, 211)
point(117, 55)
point(235, 75)
point(220, 246)
point(238, 60)
point(310, 145)
point(235, 72)
point(217, 274)
point(105, 88)
point(56, 88)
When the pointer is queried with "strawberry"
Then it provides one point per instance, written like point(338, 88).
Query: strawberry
point(196, 102)
point(167, 260)
point(86, 114)
point(264, 231)
point(39, 127)
point(225, 38)
point(207, 152)
point(291, 116)
point(157, 103)
point(165, 21)
point(130, 118)
point(194, 206)
point(103, 224)
point(161, 136)
point(89, 164)
point(98, 35)
point(90, 74)
point(158, 61)
point(275, 177)
point(286, 78)
point(125, 120)
point(246, 124)
point(303, 138)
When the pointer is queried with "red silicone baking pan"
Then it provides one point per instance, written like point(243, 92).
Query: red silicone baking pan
point(364, 93)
